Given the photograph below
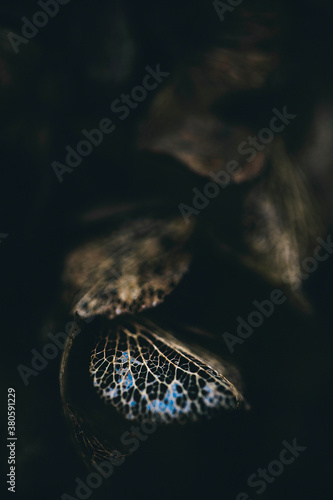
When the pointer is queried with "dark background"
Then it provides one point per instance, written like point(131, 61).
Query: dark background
point(64, 80)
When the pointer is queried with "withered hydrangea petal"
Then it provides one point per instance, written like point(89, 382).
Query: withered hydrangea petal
point(145, 372)
point(131, 269)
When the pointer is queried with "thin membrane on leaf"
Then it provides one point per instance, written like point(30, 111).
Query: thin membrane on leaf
point(145, 372)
